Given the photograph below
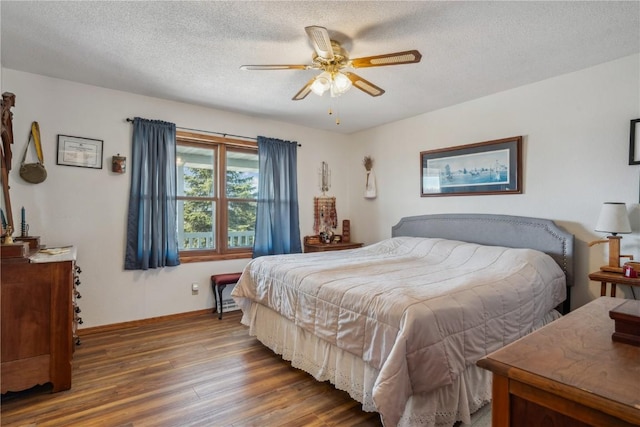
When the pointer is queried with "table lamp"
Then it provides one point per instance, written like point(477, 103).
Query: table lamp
point(613, 219)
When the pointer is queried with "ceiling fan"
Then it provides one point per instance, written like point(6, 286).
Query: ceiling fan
point(332, 59)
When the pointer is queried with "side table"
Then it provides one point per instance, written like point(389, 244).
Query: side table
point(605, 277)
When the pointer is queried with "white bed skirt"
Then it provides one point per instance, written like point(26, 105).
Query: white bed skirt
point(441, 407)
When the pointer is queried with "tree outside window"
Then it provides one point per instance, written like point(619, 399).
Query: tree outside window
point(217, 197)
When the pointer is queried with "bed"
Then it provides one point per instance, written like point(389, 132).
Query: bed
point(400, 324)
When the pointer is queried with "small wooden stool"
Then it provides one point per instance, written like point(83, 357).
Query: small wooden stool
point(218, 283)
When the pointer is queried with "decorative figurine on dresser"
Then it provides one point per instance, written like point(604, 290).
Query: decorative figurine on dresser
point(39, 314)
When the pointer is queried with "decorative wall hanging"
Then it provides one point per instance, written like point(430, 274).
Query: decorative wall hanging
point(634, 152)
point(118, 164)
point(325, 216)
point(7, 102)
point(370, 182)
point(491, 167)
point(324, 178)
point(34, 173)
point(80, 152)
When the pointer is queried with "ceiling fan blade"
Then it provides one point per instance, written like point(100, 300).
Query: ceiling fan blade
point(364, 85)
point(406, 57)
point(302, 93)
point(274, 67)
point(321, 42)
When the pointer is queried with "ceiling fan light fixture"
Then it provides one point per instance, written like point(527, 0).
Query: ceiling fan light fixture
point(321, 84)
point(341, 84)
point(332, 59)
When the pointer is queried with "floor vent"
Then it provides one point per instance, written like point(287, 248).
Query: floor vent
point(229, 305)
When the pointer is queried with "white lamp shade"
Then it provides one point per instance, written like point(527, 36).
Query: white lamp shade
point(614, 219)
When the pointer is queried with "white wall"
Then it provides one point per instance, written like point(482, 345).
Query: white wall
point(576, 148)
point(576, 136)
point(88, 207)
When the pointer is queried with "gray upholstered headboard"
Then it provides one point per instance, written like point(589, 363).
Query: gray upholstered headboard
point(495, 230)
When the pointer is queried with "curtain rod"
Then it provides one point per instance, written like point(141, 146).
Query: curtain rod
point(224, 135)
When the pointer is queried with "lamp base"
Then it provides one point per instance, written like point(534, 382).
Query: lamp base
point(610, 269)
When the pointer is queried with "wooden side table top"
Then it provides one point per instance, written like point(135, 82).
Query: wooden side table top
point(605, 276)
point(575, 358)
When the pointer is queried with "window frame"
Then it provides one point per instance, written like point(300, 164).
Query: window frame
point(220, 145)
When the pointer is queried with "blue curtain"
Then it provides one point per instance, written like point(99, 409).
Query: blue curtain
point(152, 239)
point(277, 220)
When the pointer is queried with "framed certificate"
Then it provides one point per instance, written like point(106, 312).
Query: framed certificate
point(80, 152)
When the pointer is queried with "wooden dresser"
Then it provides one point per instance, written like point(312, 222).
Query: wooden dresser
point(569, 373)
point(37, 322)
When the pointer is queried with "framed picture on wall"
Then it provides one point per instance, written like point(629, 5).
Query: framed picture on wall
point(81, 152)
point(491, 167)
point(634, 143)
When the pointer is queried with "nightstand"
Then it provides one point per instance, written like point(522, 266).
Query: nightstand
point(324, 247)
point(314, 244)
point(605, 277)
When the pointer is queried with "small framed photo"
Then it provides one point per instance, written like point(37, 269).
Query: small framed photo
point(634, 143)
point(80, 152)
point(491, 167)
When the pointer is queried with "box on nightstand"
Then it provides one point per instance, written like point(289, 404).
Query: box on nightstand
point(627, 322)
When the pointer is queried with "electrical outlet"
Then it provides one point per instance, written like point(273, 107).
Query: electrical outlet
point(194, 289)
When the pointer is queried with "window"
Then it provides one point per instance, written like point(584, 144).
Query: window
point(217, 197)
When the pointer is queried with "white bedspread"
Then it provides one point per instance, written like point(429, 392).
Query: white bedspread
point(419, 310)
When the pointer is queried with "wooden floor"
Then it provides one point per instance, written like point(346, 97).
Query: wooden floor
point(197, 371)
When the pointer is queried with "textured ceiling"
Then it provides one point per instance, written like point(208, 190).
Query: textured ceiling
point(192, 51)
